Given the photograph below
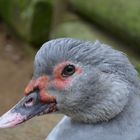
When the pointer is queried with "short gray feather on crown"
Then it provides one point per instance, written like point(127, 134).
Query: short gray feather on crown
point(108, 79)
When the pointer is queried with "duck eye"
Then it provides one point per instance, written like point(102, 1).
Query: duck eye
point(68, 70)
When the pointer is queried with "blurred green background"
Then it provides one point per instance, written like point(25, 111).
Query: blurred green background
point(26, 24)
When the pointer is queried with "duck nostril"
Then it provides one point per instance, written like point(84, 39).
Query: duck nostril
point(29, 102)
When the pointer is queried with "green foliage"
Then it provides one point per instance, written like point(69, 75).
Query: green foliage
point(30, 19)
point(120, 17)
point(41, 22)
point(138, 69)
point(74, 29)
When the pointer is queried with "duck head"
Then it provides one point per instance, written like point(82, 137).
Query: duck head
point(87, 81)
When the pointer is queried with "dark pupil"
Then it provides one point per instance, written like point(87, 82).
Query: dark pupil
point(68, 70)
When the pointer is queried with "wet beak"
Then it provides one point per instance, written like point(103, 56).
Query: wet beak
point(25, 109)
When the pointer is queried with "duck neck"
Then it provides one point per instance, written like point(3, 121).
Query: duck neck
point(131, 112)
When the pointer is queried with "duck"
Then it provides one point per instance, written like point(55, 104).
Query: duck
point(93, 85)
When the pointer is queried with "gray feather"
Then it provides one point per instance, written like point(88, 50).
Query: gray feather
point(102, 102)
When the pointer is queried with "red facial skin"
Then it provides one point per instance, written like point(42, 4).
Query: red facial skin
point(58, 81)
point(40, 83)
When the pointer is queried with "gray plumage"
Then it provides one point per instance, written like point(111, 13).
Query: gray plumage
point(101, 103)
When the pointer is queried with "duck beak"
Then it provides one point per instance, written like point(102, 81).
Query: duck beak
point(25, 109)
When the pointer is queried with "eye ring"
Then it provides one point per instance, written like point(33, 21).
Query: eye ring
point(68, 70)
